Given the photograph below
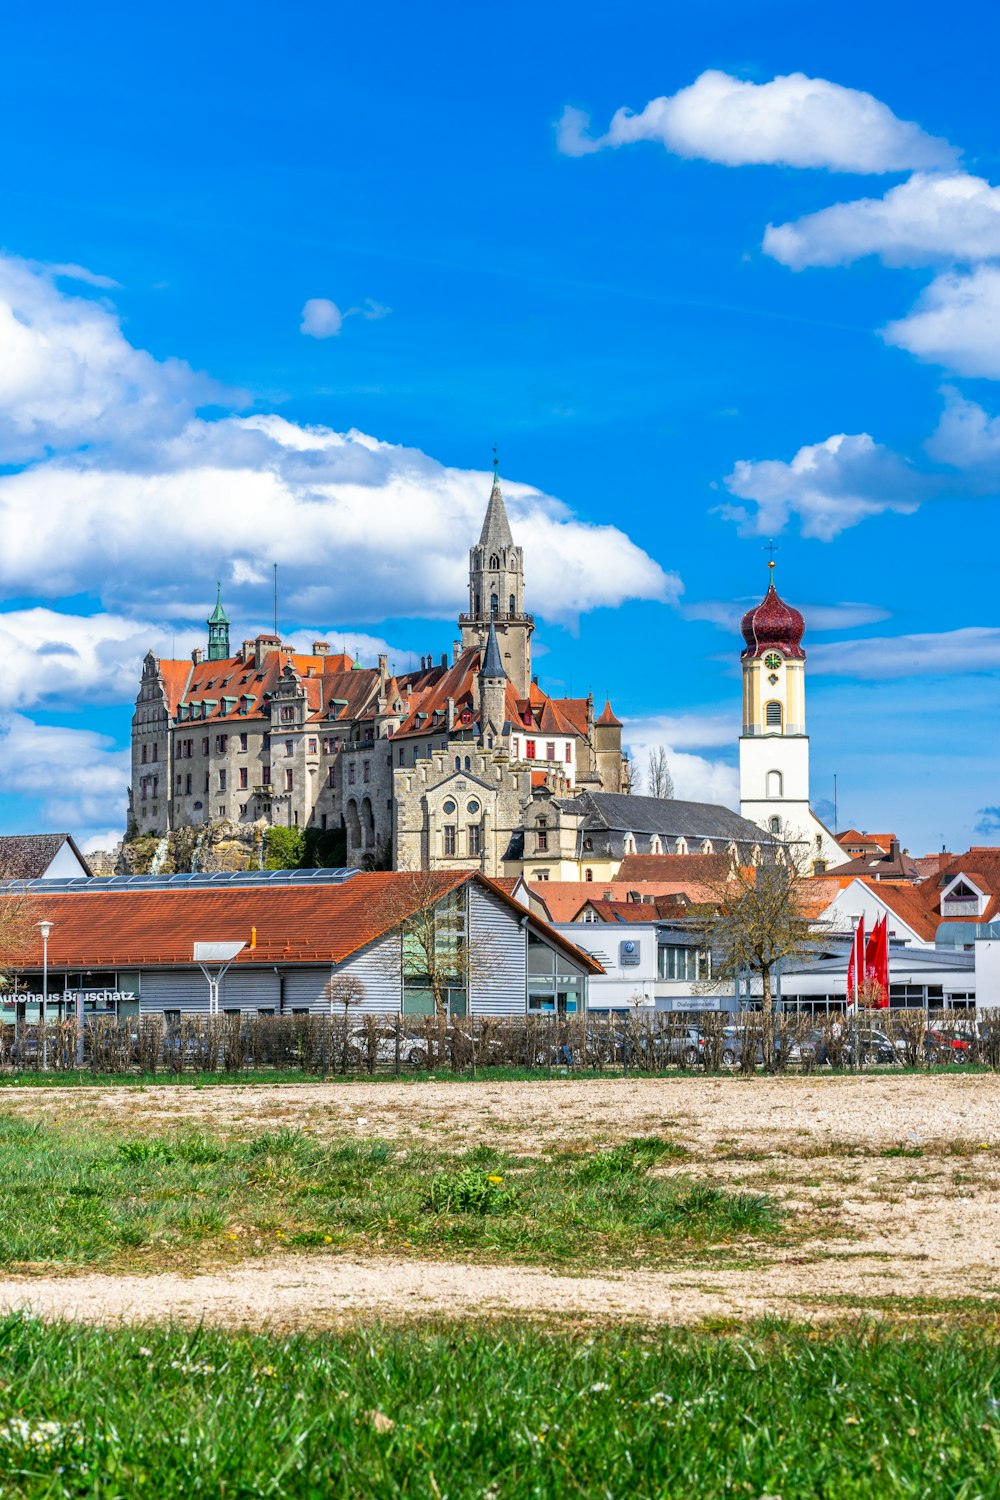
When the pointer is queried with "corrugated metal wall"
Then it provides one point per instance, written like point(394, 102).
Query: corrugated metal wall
point(379, 967)
point(176, 989)
point(498, 957)
point(250, 989)
point(303, 989)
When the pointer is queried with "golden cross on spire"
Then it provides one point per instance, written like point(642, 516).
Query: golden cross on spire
point(770, 549)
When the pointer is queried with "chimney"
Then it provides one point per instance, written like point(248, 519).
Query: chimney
point(321, 648)
point(247, 650)
point(197, 655)
point(894, 850)
point(450, 713)
point(456, 651)
point(444, 659)
point(383, 669)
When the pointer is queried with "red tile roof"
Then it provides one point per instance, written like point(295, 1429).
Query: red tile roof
point(608, 717)
point(910, 904)
point(646, 869)
point(120, 926)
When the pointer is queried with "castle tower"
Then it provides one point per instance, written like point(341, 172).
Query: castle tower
point(218, 630)
point(492, 692)
point(496, 594)
point(774, 746)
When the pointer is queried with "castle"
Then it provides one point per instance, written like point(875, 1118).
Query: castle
point(432, 768)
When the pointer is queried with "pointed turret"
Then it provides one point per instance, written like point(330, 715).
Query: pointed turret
point(218, 630)
point(492, 665)
point(496, 527)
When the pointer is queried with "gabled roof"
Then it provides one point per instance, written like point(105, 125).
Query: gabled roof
point(27, 856)
point(909, 904)
point(655, 869)
point(105, 926)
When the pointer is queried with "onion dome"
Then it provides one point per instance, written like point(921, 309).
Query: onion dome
point(773, 625)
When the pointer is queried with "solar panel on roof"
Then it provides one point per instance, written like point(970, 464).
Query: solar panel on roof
point(203, 881)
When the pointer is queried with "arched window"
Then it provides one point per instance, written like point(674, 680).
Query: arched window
point(629, 845)
point(588, 844)
point(458, 762)
point(588, 874)
point(468, 763)
point(655, 846)
point(510, 605)
point(774, 824)
point(775, 784)
point(772, 715)
point(494, 563)
point(494, 604)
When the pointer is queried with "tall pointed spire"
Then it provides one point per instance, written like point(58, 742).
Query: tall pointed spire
point(492, 664)
point(496, 527)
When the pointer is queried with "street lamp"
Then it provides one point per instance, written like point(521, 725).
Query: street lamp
point(45, 928)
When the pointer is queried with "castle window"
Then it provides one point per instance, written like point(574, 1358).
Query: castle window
point(494, 604)
point(331, 775)
point(529, 749)
point(550, 751)
point(312, 747)
point(468, 763)
point(494, 562)
point(265, 775)
point(144, 749)
point(155, 755)
point(449, 839)
point(774, 824)
point(569, 751)
point(289, 780)
point(352, 774)
point(244, 778)
point(448, 807)
point(288, 713)
point(243, 741)
point(366, 771)
point(775, 784)
point(221, 741)
point(543, 835)
point(222, 781)
point(187, 785)
point(772, 715)
point(204, 744)
point(510, 605)
point(289, 747)
point(588, 845)
point(458, 762)
point(475, 840)
point(588, 874)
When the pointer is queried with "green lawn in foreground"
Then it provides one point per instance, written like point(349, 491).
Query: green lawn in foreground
point(469, 1413)
point(69, 1196)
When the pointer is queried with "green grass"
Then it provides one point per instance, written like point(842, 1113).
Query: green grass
point(474, 1412)
point(73, 1196)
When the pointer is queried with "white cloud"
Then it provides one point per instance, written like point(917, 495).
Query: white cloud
point(78, 659)
point(321, 318)
point(696, 778)
point(972, 649)
point(72, 272)
point(168, 499)
point(791, 121)
point(929, 218)
point(966, 436)
point(78, 778)
point(956, 323)
point(830, 486)
point(103, 839)
point(69, 379)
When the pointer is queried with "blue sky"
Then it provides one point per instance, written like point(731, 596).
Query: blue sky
point(748, 285)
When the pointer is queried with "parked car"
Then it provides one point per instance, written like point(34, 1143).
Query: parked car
point(947, 1046)
point(412, 1050)
point(868, 1044)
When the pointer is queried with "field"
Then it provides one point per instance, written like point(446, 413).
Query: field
point(685, 1286)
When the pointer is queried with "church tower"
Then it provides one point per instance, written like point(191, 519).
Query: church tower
point(774, 746)
point(218, 630)
point(496, 594)
point(492, 692)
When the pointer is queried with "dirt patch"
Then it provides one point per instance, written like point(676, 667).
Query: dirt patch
point(924, 1224)
point(771, 1114)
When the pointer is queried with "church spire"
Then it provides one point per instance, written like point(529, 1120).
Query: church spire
point(496, 527)
point(492, 664)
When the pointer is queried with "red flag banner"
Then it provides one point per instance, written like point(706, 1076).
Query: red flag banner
point(877, 961)
point(856, 964)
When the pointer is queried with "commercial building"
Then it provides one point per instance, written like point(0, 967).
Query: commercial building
point(415, 943)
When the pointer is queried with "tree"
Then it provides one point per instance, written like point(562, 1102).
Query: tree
point(19, 916)
point(345, 992)
point(659, 782)
point(438, 953)
point(631, 775)
point(757, 919)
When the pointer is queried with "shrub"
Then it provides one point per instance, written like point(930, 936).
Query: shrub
point(473, 1190)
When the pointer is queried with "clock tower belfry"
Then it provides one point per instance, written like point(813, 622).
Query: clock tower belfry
point(774, 746)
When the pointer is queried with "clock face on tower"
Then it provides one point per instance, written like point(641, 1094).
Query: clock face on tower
point(772, 661)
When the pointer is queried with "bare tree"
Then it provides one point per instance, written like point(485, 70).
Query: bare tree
point(19, 915)
point(758, 917)
point(344, 991)
point(438, 952)
point(631, 775)
point(659, 782)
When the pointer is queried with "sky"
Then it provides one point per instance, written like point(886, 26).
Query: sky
point(274, 281)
